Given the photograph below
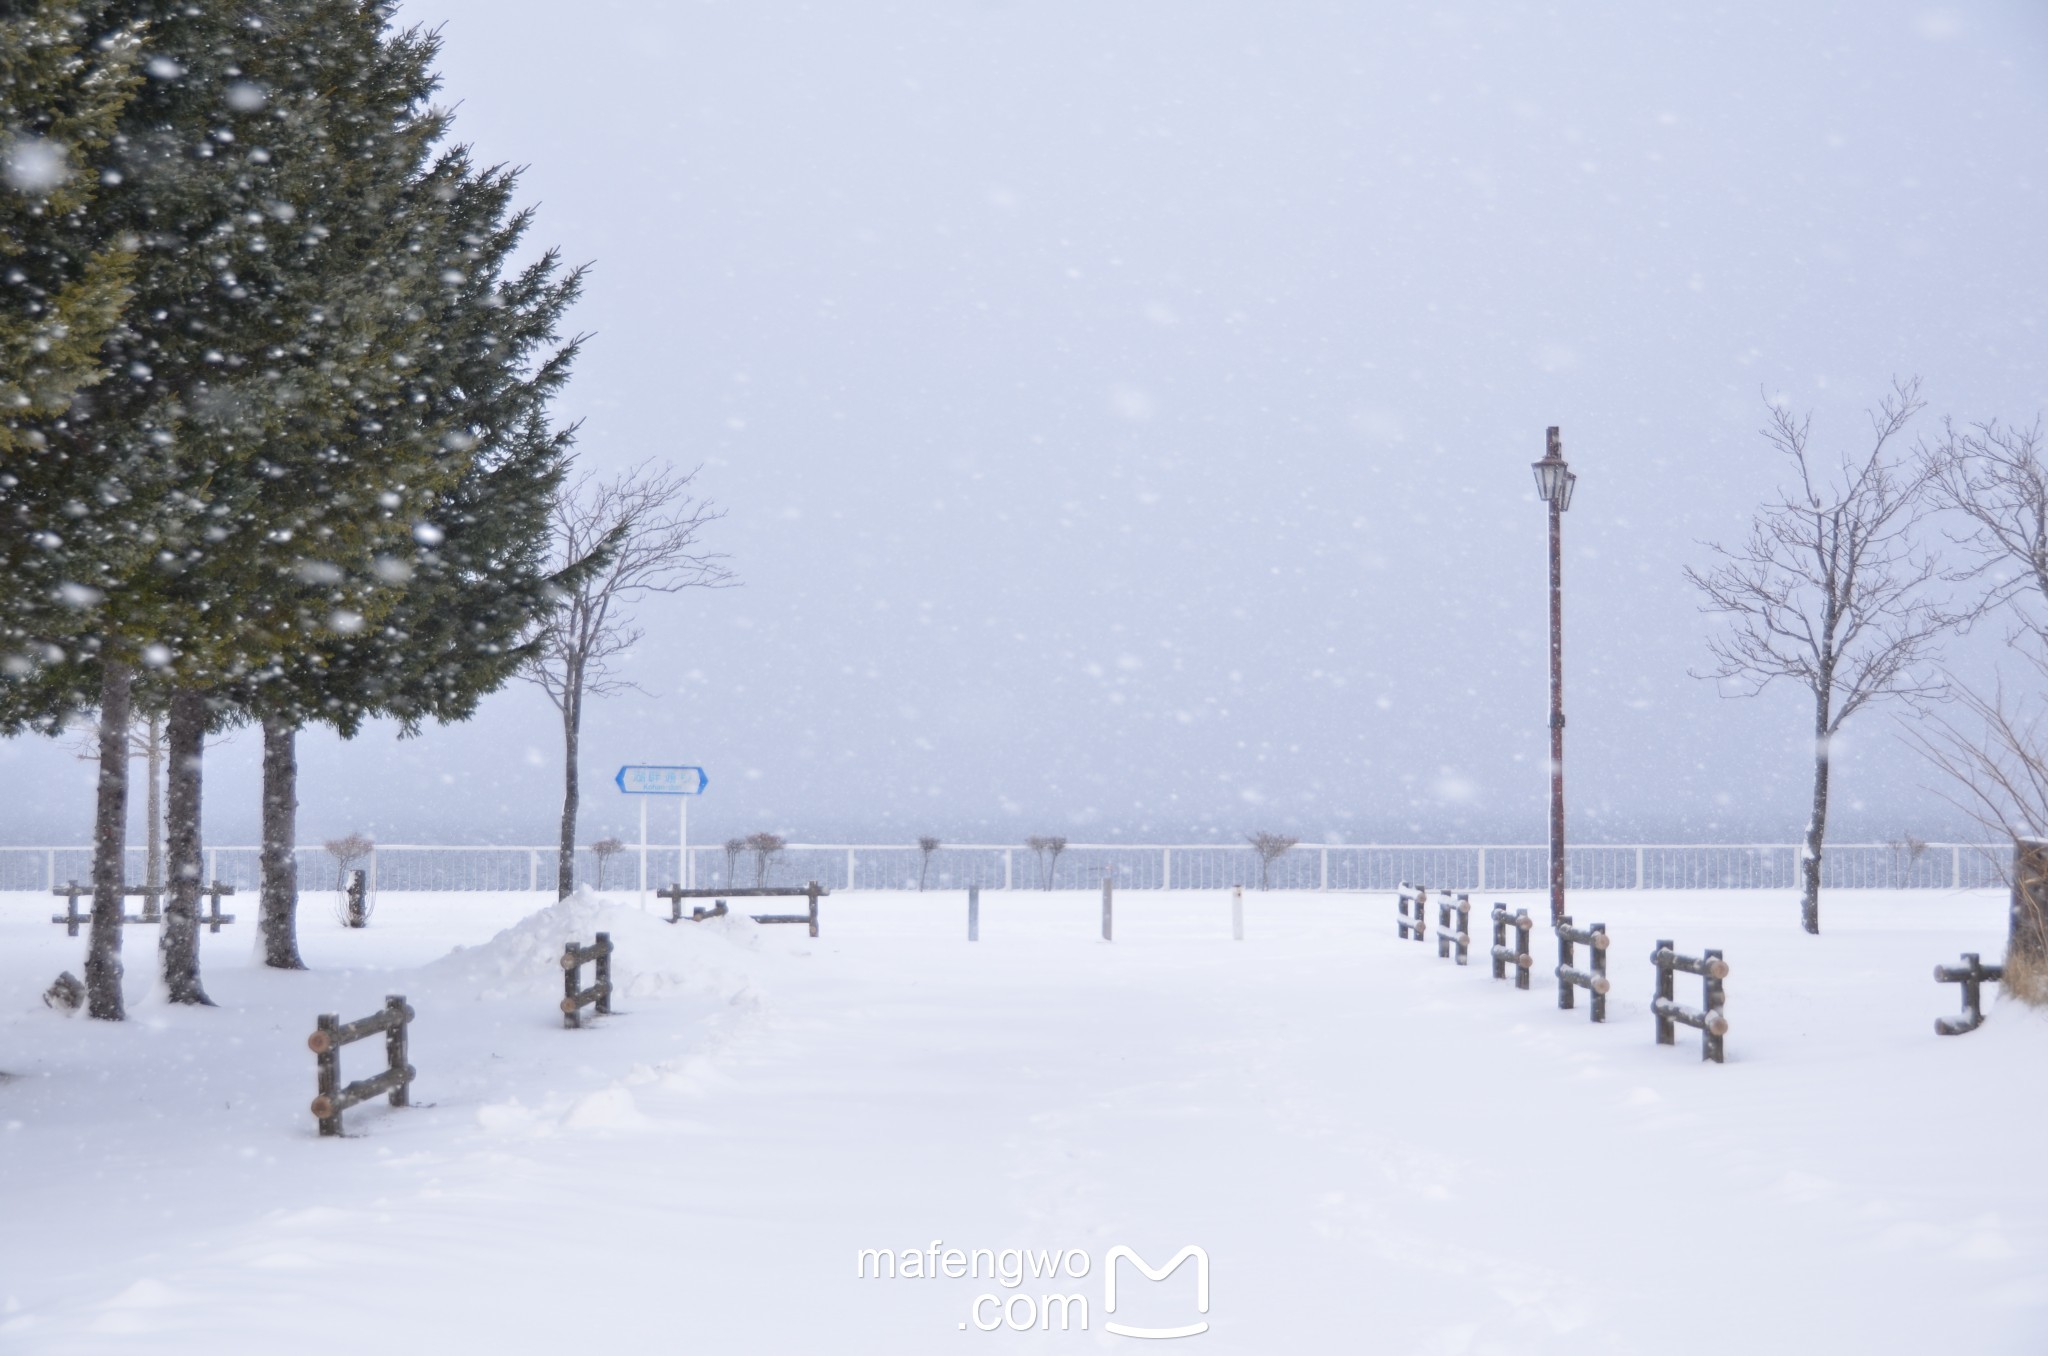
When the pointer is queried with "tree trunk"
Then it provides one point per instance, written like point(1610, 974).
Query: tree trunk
point(280, 906)
point(109, 848)
point(154, 835)
point(572, 721)
point(1816, 831)
point(178, 947)
point(2026, 944)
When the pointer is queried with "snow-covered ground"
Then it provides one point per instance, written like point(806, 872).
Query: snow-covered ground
point(1378, 1151)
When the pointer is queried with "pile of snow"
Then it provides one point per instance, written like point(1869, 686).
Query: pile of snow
point(728, 958)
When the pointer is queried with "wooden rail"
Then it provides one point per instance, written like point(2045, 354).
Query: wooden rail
point(1708, 1017)
point(1569, 977)
point(72, 919)
point(1448, 937)
point(1971, 974)
point(676, 894)
point(1516, 955)
point(332, 1033)
point(574, 997)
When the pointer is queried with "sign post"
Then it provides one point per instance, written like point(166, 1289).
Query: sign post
point(680, 782)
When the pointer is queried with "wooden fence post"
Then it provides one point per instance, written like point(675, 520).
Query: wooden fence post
point(1667, 1033)
point(396, 1047)
point(327, 1064)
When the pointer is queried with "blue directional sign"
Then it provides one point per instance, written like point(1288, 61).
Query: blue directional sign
point(662, 781)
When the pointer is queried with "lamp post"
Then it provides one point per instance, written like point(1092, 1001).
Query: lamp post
point(1554, 482)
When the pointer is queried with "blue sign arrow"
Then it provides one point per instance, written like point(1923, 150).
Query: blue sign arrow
point(640, 780)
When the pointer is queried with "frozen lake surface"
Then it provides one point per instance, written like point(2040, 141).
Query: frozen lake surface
point(1378, 1151)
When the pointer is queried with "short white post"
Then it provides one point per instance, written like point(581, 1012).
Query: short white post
point(1107, 878)
point(974, 913)
point(1237, 913)
point(849, 868)
point(50, 864)
point(533, 868)
point(1955, 868)
point(1009, 861)
point(213, 866)
point(1322, 881)
point(1639, 868)
point(643, 853)
point(1480, 884)
point(1166, 869)
point(683, 842)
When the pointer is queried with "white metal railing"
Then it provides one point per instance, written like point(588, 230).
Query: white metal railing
point(1310, 866)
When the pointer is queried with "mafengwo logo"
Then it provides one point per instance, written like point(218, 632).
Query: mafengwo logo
point(1063, 1307)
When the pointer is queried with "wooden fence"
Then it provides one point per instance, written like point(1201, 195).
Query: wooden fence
point(676, 894)
point(1450, 939)
point(575, 997)
point(72, 918)
point(1708, 1017)
point(1409, 922)
point(1571, 978)
point(332, 1033)
point(1516, 955)
point(1971, 974)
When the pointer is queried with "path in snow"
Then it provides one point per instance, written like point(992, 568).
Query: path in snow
point(1379, 1152)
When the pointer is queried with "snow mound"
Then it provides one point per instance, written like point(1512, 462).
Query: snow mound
point(728, 958)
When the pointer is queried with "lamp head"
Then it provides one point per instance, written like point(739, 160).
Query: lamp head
point(1554, 479)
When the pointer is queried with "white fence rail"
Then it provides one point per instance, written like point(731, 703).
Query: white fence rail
point(1311, 866)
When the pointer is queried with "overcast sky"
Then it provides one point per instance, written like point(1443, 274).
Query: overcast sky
point(1123, 411)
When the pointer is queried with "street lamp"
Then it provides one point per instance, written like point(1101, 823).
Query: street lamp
point(1554, 483)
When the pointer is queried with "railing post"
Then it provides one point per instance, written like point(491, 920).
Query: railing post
point(1323, 874)
point(1639, 868)
point(1237, 913)
point(50, 868)
point(1955, 867)
point(1108, 878)
point(974, 913)
point(1166, 868)
point(849, 868)
point(1480, 884)
point(533, 869)
point(1009, 863)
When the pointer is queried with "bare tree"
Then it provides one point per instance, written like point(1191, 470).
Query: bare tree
point(733, 848)
point(766, 847)
point(1047, 848)
point(346, 853)
point(604, 849)
point(1831, 592)
point(926, 846)
point(1995, 770)
point(1995, 767)
point(1270, 847)
point(647, 526)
